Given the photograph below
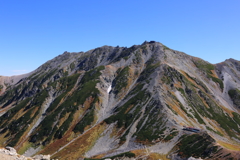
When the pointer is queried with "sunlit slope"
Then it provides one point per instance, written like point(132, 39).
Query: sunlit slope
point(118, 102)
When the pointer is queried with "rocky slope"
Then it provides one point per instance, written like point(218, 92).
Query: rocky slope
point(125, 102)
point(10, 153)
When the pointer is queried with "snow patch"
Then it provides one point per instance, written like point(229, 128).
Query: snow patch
point(109, 89)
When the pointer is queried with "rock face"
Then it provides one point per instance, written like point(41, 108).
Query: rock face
point(10, 153)
point(41, 157)
point(118, 103)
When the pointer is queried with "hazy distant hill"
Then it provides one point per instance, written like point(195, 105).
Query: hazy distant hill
point(124, 102)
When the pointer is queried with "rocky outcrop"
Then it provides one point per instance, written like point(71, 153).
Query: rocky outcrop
point(41, 157)
point(10, 153)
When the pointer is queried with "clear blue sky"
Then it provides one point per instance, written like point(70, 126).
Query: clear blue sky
point(35, 31)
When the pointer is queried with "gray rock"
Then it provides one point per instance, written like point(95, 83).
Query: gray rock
point(11, 149)
point(41, 157)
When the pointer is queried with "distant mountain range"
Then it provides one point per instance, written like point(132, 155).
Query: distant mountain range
point(118, 102)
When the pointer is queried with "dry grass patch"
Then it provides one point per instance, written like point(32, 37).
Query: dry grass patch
point(24, 137)
point(68, 136)
point(203, 101)
point(227, 110)
point(214, 74)
point(176, 107)
point(61, 121)
point(145, 154)
point(178, 85)
point(24, 147)
point(81, 145)
point(229, 146)
point(128, 109)
point(217, 128)
point(100, 156)
point(3, 139)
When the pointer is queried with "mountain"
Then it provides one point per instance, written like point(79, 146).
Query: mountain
point(124, 102)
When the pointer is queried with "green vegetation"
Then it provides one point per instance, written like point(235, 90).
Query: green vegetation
point(136, 89)
point(64, 127)
point(126, 52)
point(181, 90)
point(182, 108)
point(40, 98)
point(126, 58)
point(199, 119)
point(149, 132)
point(227, 124)
point(137, 58)
point(9, 96)
point(151, 126)
point(123, 118)
point(121, 80)
point(55, 103)
point(213, 112)
point(148, 70)
point(12, 112)
point(46, 76)
point(126, 154)
point(217, 80)
point(171, 136)
point(200, 83)
point(19, 126)
point(86, 120)
point(169, 75)
point(144, 47)
point(235, 96)
point(67, 83)
point(65, 74)
point(217, 132)
point(92, 75)
point(130, 111)
point(166, 79)
point(227, 155)
point(207, 67)
point(172, 109)
point(165, 47)
point(86, 88)
point(234, 93)
point(236, 117)
point(43, 130)
point(195, 145)
point(33, 76)
point(225, 121)
point(72, 66)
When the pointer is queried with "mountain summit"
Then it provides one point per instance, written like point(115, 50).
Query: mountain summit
point(143, 102)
